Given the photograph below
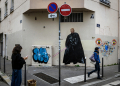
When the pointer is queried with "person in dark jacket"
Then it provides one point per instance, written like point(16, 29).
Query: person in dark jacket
point(97, 65)
point(74, 51)
point(17, 64)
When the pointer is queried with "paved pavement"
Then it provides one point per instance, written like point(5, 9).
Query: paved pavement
point(2, 83)
point(66, 72)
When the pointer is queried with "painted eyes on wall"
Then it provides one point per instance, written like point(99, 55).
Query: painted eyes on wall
point(99, 42)
point(114, 42)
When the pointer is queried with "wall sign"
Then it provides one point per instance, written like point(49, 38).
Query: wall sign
point(98, 25)
point(92, 16)
point(105, 2)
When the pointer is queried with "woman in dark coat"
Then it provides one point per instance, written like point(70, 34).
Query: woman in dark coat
point(17, 64)
point(97, 65)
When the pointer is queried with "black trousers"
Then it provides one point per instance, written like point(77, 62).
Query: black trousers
point(97, 68)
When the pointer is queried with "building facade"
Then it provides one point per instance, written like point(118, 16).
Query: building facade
point(26, 22)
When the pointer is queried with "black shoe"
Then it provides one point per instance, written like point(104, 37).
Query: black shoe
point(88, 75)
point(99, 78)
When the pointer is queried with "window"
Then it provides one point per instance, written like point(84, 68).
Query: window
point(12, 6)
point(73, 17)
point(105, 2)
point(6, 9)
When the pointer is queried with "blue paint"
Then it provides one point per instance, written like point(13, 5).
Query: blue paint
point(106, 47)
point(52, 7)
point(40, 55)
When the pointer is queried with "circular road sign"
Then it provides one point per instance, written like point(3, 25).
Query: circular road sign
point(52, 7)
point(65, 10)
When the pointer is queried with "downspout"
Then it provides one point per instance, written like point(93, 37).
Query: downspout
point(118, 31)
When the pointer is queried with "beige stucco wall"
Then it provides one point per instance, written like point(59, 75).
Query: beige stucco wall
point(11, 24)
point(42, 4)
point(35, 34)
point(108, 20)
point(31, 32)
point(106, 17)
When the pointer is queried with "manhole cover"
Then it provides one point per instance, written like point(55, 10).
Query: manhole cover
point(47, 78)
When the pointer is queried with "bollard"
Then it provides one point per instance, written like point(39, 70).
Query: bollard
point(25, 76)
point(0, 62)
point(85, 71)
point(102, 67)
point(118, 65)
point(4, 64)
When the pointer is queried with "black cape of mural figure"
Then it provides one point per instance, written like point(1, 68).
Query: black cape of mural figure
point(74, 50)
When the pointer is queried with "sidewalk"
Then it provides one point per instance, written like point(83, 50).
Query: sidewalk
point(66, 72)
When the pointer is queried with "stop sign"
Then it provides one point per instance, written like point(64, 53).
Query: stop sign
point(65, 10)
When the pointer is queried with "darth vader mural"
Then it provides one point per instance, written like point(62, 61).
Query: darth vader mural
point(74, 51)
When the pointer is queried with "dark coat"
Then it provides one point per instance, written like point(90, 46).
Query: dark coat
point(74, 50)
point(17, 61)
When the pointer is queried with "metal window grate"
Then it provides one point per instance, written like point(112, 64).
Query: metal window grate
point(74, 17)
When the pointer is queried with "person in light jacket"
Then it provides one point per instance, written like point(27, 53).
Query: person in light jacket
point(97, 65)
point(17, 64)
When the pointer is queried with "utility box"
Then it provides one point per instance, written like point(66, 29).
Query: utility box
point(42, 55)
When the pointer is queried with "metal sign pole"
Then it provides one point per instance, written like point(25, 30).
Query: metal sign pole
point(118, 65)
point(85, 71)
point(4, 64)
point(25, 75)
point(102, 67)
point(0, 61)
point(59, 51)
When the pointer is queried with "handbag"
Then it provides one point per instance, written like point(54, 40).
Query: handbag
point(92, 58)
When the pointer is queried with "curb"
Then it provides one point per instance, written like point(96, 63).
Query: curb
point(5, 78)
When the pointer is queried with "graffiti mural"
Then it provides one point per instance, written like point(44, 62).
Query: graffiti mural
point(40, 55)
point(106, 48)
point(114, 42)
point(74, 51)
point(98, 41)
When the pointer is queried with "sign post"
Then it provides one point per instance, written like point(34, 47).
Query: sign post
point(59, 51)
point(64, 10)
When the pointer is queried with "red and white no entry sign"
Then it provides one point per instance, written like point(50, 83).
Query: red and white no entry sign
point(65, 10)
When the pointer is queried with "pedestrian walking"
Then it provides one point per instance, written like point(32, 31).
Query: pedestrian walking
point(17, 64)
point(97, 65)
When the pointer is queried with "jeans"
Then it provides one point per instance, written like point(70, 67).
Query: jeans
point(97, 68)
point(16, 77)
